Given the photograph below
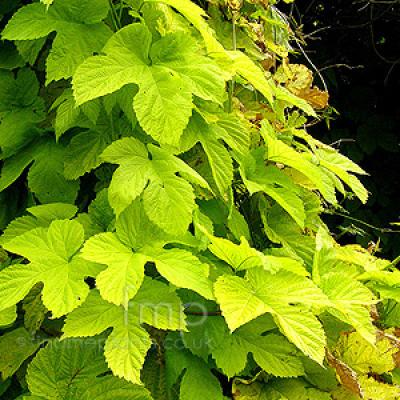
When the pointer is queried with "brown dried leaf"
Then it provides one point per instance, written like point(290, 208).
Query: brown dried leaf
point(298, 79)
point(347, 376)
point(316, 97)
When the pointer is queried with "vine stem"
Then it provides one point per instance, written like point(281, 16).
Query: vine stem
point(121, 9)
point(204, 314)
point(395, 262)
point(114, 16)
point(234, 47)
point(383, 230)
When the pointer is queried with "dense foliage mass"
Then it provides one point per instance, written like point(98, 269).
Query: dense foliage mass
point(161, 206)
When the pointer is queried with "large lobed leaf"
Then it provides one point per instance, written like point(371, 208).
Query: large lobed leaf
point(71, 19)
point(53, 261)
point(285, 295)
point(127, 345)
point(168, 71)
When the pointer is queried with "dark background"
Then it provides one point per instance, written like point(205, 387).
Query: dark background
point(355, 44)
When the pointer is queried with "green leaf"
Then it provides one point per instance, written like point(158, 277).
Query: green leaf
point(9, 56)
point(125, 272)
point(235, 131)
point(304, 330)
point(52, 211)
point(288, 200)
point(125, 350)
point(246, 68)
point(240, 257)
point(350, 300)
point(124, 275)
point(168, 73)
point(168, 199)
point(273, 353)
point(100, 211)
point(198, 382)
point(278, 389)
point(158, 305)
point(63, 370)
point(218, 157)
point(8, 316)
point(182, 269)
point(93, 317)
point(135, 230)
point(30, 49)
point(69, 115)
point(235, 61)
point(17, 129)
point(127, 58)
point(54, 262)
point(123, 98)
point(238, 225)
point(127, 345)
point(112, 388)
point(274, 183)
point(21, 109)
point(196, 16)
point(272, 262)
point(70, 20)
point(34, 309)
point(46, 174)
point(14, 166)
point(281, 228)
point(374, 389)
point(131, 178)
point(365, 357)
point(238, 301)
point(388, 292)
point(170, 203)
point(279, 152)
point(340, 165)
point(161, 94)
point(202, 74)
point(28, 24)
point(155, 304)
point(284, 295)
point(41, 216)
point(15, 347)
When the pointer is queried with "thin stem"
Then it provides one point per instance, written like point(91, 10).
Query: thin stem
point(383, 230)
point(312, 64)
point(204, 314)
point(395, 262)
point(390, 2)
point(112, 125)
point(121, 9)
point(341, 66)
point(310, 35)
point(392, 306)
point(114, 17)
